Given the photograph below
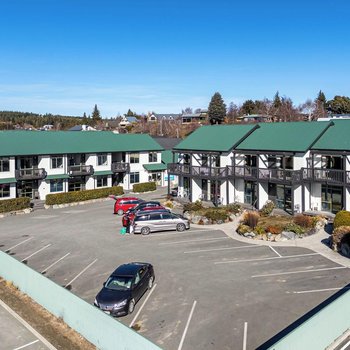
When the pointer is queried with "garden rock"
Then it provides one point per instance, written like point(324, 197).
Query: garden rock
point(288, 235)
point(249, 234)
point(196, 219)
point(187, 215)
point(205, 220)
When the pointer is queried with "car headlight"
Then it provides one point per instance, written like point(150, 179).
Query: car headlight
point(120, 304)
point(95, 302)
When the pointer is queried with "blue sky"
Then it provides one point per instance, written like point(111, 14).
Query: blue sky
point(63, 56)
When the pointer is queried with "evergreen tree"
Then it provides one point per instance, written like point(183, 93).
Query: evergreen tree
point(96, 117)
point(130, 113)
point(84, 120)
point(216, 109)
point(248, 107)
point(277, 103)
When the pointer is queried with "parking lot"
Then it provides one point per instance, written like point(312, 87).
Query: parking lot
point(211, 292)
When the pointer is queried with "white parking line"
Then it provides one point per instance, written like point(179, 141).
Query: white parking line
point(28, 239)
point(345, 346)
point(26, 325)
point(300, 271)
point(275, 251)
point(186, 327)
point(245, 332)
point(224, 248)
point(38, 251)
point(157, 235)
point(26, 345)
point(143, 304)
point(194, 240)
point(53, 264)
point(80, 273)
point(263, 259)
point(319, 290)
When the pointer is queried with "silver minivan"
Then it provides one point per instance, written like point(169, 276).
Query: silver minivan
point(159, 221)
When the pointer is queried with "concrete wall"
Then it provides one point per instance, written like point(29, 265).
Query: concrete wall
point(98, 328)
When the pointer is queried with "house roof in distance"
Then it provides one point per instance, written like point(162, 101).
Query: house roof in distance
point(14, 143)
point(216, 138)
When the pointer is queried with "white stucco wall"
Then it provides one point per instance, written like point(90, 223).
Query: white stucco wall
point(297, 190)
point(239, 190)
point(315, 197)
point(262, 195)
point(196, 190)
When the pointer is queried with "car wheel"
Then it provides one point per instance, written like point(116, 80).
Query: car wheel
point(120, 212)
point(150, 282)
point(180, 227)
point(131, 306)
point(145, 230)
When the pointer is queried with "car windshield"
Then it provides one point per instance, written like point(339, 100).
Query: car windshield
point(119, 282)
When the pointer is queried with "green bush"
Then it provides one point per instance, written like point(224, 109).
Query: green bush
point(259, 230)
point(196, 206)
point(242, 229)
point(292, 227)
point(338, 236)
point(342, 218)
point(80, 196)
point(144, 187)
point(216, 214)
point(266, 210)
point(233, 208)
point(14, 204)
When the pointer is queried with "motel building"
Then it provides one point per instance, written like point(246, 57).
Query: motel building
point(300, 166)
point(36, 163)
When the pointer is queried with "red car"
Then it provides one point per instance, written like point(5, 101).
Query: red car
point(128, 217)
point(121, 205)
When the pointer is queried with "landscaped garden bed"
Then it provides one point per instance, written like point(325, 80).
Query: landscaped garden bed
point(340, 239)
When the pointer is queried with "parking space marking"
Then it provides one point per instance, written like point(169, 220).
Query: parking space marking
point(53, 264)
point(319, 290)
point(223, 248)
point(300, 271)
point(157, 235)
point(80, 273)
point(38, 251)
point(275, 251)
point(143, 304)
point(27, 325)
point(28, 239)
point(345, 346)
point(187, 325)
point(263, 259)
point(26, 345)
point(195, 240)
point(245, 332)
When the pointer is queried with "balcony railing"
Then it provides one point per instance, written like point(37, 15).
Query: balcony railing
point(326, 175)
point(243, 171)
point(285, 175)
point(118, 167)
point(80, 170)
point(30, 174)
point(198, 171)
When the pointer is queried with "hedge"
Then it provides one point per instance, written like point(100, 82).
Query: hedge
point(80, 196)
point(14, 204)
point(342, 218)
point(144, 187)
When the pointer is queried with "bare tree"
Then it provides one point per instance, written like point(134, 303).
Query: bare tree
point(308, 107)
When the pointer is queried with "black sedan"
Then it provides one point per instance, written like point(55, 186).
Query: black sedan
point(124, 288)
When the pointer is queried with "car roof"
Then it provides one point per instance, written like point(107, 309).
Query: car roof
point(151, 202)
point(149, 212)
point(158, 207)
point(129, 198)
point(129, 269)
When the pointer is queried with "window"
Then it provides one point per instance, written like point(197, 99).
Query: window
point(134, 158)
point(102, 159)
point(4, 190)
point(102, 181)
point(152, 157)
point(155, 217)
point(76, 184)
point(134, 178)
point(56, 185)
point(56, 162)
point(4, 164)
point(166, 216)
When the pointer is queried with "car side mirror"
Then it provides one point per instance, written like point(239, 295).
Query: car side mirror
point(104, 284)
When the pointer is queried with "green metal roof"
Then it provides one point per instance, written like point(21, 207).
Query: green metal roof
point(103, 172)
point(8, 180)
point(287, 137)
point(14, 143)
point(337, 137)
point(155, 166)
point(219, 138)
point(57, 176)
point(167, 157)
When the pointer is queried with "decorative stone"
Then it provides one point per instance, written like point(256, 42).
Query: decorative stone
point(249, 234)
point(196, 219)
point(288, 235)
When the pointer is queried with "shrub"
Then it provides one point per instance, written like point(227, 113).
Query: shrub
point(259, 230)
point(242, 229)
point(304, 221)
point(169, 204)
point(342, 218)
point(339, 235)
point(14, 204)
point(266, 210)
point(144, 187)
point(234, 208)
point(216, 214)
point(80, 196)
point(251, 218)
point(275, 230)
point(196, 206)
point(292, 227)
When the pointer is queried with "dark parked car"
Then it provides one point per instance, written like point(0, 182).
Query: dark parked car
point(129, 216)
point(124, 288)
point(143, 205)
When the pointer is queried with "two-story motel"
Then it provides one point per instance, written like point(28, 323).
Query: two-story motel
point(300, 166)
point(34, 164)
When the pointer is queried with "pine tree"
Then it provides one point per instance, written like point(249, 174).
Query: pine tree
point(277, 103)
point(84, 120)
point(96, 117)
point(216, 109)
